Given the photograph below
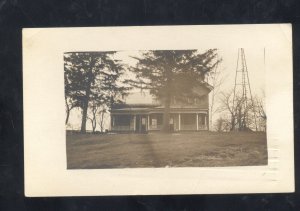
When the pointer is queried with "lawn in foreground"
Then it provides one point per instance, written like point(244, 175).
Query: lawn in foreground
point(195, 149)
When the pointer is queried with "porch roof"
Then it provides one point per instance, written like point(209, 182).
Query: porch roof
point(158, 109)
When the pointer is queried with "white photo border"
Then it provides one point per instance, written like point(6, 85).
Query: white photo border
point(45, 165)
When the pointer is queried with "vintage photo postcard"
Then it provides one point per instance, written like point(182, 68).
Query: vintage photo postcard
point(158, 110)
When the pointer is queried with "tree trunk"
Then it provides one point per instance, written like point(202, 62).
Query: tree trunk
point(167, 103)
point(84, 116)
point(85, 107)
point(67, 117)
point(87, 96)
point(67, 111)
point(232, 123)
point(94, 126)
point(94, 122)
point(166, 117)
point(239, 120)
point(101, 121)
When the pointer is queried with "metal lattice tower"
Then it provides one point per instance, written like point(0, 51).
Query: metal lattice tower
point(242, 96)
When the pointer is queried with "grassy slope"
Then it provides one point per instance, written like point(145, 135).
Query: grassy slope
point(161, 150)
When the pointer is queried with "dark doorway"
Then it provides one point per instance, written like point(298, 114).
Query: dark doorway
point(141, 124)
point(171, 123)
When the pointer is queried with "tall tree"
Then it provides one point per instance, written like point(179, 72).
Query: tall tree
point(172, 73)
point(91, 79)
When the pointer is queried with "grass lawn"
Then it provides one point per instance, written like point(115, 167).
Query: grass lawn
point(195, 149)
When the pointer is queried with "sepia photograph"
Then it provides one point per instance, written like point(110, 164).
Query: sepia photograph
point(165, 108)
point(158, 110)
point(149, 105)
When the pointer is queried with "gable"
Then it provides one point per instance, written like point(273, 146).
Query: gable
point(202, 89)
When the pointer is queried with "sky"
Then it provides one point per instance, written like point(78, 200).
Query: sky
point(254, 58)
point(255, 65)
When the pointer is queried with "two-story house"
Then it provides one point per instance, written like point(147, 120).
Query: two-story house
point(188, 114)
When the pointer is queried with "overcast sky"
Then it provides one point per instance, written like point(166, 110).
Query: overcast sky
point(254, 60)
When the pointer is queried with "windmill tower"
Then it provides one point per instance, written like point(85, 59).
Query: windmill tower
point(243, 105)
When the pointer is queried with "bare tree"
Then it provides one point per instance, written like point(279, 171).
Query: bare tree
point(261, 112)
point(69, 106)
point(101, 122)
point(93, 117)
point(241, 112)
point(70, 101)
point(216, 80)
point(226, 106)
point(222, 124)
point(97, 116)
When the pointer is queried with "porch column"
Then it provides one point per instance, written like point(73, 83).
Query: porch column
point(134, 122)
point(179, 121)
point(113, 120)
point(148, 121)
point(197, 122)
point(205, 123)
point(112, 123)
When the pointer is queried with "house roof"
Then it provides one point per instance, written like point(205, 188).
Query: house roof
point(202, 89)
point(142, 100)
point(207, 85)
point(139, 98)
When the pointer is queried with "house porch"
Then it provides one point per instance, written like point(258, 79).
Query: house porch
point(154, 121)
